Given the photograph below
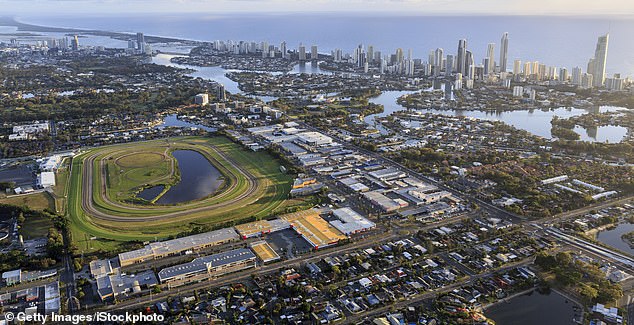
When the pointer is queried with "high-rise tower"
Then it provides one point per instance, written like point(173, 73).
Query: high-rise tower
point(461, 56)
point(600, 60)
point(504, 51)
point(490, 68)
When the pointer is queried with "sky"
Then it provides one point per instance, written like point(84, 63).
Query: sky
point(416, 7)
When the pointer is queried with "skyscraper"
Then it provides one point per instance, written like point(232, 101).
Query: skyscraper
point(302, 52)
point(490, 68)
point(314, 55)
point(75, 43)
point(359, 56)
point(504, 51)
point(283, 49)
point(576, 75)
point(399, 55)
point(461, 56)
point(517, 67)
point(449, 65)
point(600, 60)
point(370, 53)
point(438, 57)
point(563, 74)
point(140, 41)
point(469, 65)
point(527, 69)
point(221, 94)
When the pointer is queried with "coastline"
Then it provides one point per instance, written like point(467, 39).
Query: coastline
point(24, 27)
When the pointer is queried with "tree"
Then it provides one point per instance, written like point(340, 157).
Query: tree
point(587, 291)
point(609, 293)
point(21, 218)
point(564, 258)
point(545, 261)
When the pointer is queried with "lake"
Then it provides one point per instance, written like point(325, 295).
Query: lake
point(535, 121)
point(612, 237)
point(533, 308)
point(198, 179)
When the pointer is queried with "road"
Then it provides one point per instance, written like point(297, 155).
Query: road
point(247, 274)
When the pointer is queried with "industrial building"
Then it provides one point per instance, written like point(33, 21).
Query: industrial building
point(120, 284)
point(350, 222)
point(203, 268)
point(264, 251)
point(46, 179)
point(99, 268)
point(178, 246)
point(314, 138)
point(313, 228)
point(383, 202)
point(261, 227)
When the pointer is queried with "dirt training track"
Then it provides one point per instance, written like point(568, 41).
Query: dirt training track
point(88, 204)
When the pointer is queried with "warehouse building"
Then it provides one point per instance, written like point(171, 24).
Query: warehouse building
point(350, 222)
point(383, 202)
point(46, 179)
point(261, 227)
point(264, 251)
point(203, 268)
point(313, 228)
point(178, 246)
point(121, 285)
point(314, 138)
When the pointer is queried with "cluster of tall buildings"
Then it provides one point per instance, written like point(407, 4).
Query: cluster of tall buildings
point(369, 58)
point(461, 66)
point(463, 62)
point(62, 44)
point(139, 45)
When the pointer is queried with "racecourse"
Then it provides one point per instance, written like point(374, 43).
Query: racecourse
point(104, 181)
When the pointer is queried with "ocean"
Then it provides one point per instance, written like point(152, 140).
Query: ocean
point(554, 40)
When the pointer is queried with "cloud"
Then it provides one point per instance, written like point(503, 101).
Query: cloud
point(589, 7)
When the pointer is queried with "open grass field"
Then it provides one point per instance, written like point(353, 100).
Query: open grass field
point(35, 227)
point(60, 190)
point(35, 201)
point(104, 180)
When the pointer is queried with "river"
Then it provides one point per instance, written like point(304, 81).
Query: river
point(534, 308)
point(534, 121)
